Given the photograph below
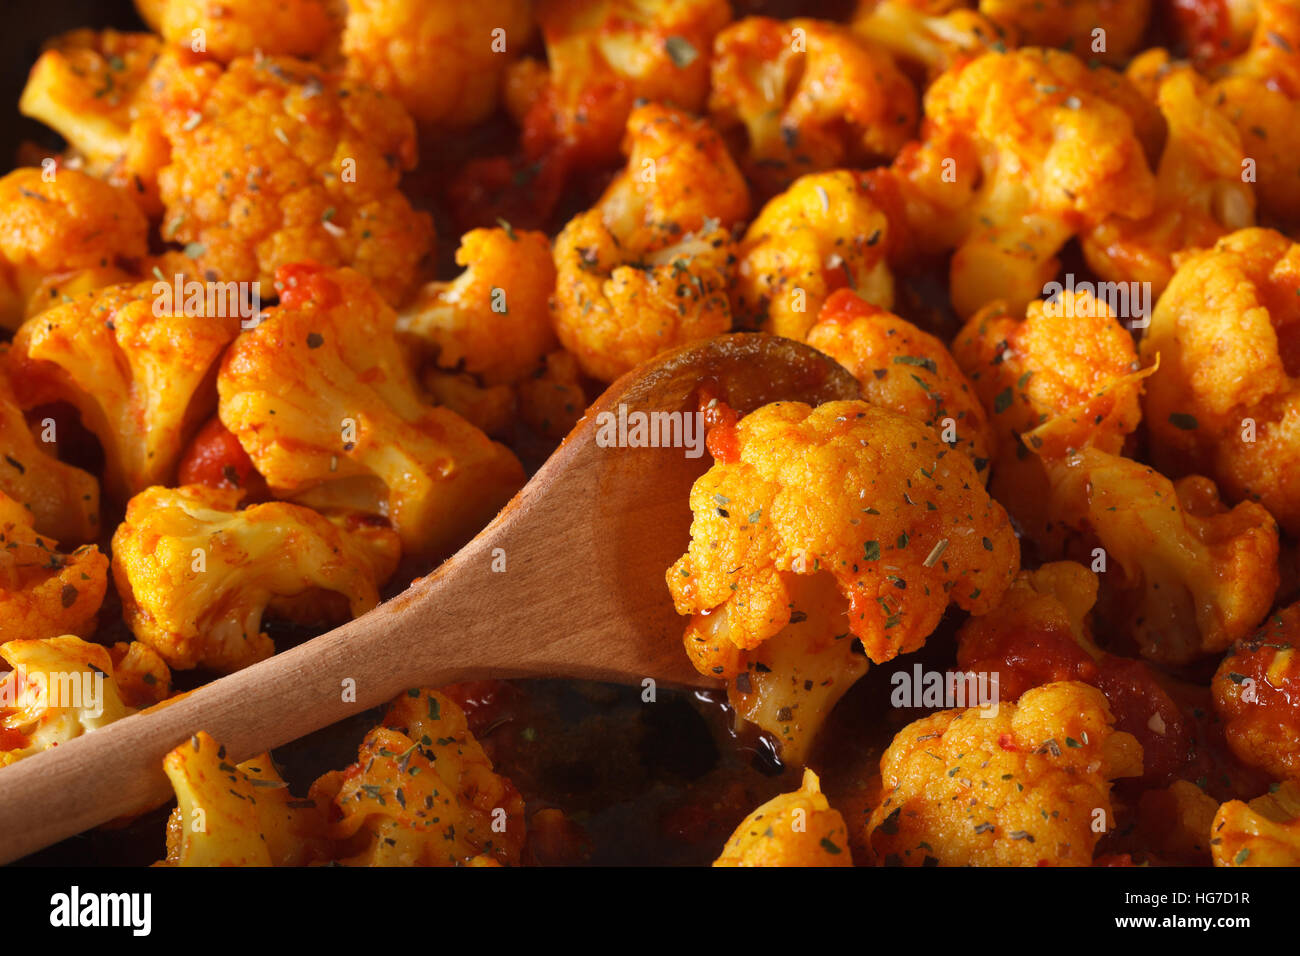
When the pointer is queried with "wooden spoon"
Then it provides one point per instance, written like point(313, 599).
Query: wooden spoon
point(585, 546)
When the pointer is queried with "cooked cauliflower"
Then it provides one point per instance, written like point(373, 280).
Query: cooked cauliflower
point(60, 501)
point(88, 86)
point(422, 793)
point(493, 321)
point(1106, 30)
point(45, 593)
point(602, 58)
point(552, 399)
point(237, 814)
point(320, 398)
point(1225, 401)
point(899, 366)
point(1264, 832)
point(57, 688)
point(1069, 362)
point(234, 28)
point(793, 829)
point(807, 95)
point(444, 60)
point(1199, 194)
point(138, 369)
point(1020, 152)
point(196, 575)
point(824, 233)
point(72, 223)
point(281, 163)
point(930, 37)
point(870, 496)
point(1193, 575)
point(1027, 787)
point(1257, 694)
point(648, 268)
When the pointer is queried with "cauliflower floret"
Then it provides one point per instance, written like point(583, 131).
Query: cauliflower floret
point(602, 58)
point(142, 676)
point(138, 368)
point(320, 398)
point(552, 399)
point(1026, 787)
point(88, 85)
point(866, 494)
point(1257, 694)
point(1107, 30)
point(422, 793)
point(1213, 32)
point(823, 233)
point(933, 39)
point(792, 829)
point(1021, 151)
point(443, 60)
point(493, 321)
point(904, 368)
point(70, 223)
point(1194, 575)
point(1226, 400)
point(60, 501)
point(196, 575)
point(234, 28)
point(647, 269)
point(44, 593)
point(57, 688)
point(1200, 194)
point(237, 815)
point(283, 163)
point(1070, 362)
point(807, 95)
point(1175, 823)
point(1265, 832)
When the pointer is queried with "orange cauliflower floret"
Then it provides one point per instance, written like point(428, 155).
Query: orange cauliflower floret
point(933, 39)
point(237, 814)
point(233, 28)
point(602, 58)
point(1264, 832)
point(1257, 694)
point(422, 793)
point(57, 688)
point(60, 500)
point(444, 60)
point(647, 269)
point(88, 86)
point(59, 223)
point(44, 593)
point(1020, 151)
point(320, 398)
point(1068, 361)
point(1226, 398)
point(281, 163)
point(1029, 786)
point(1193, 575)
point(807, 95)
point(870, 497)
point(1093, 29)
point(793, 829)
point(135, 364)
point(494, 321)
point(552, 399)
point(901, 367)
point(196, 575)
point(823, 233)
point(1200, 192)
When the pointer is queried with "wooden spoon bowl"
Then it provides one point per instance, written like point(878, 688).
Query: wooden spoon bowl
point(567, 581)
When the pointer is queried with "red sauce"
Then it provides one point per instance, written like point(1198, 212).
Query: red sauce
point(216, 459)
point(723, 439)
point(304, 282)
point(1024, 658)
point(1142, 708)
